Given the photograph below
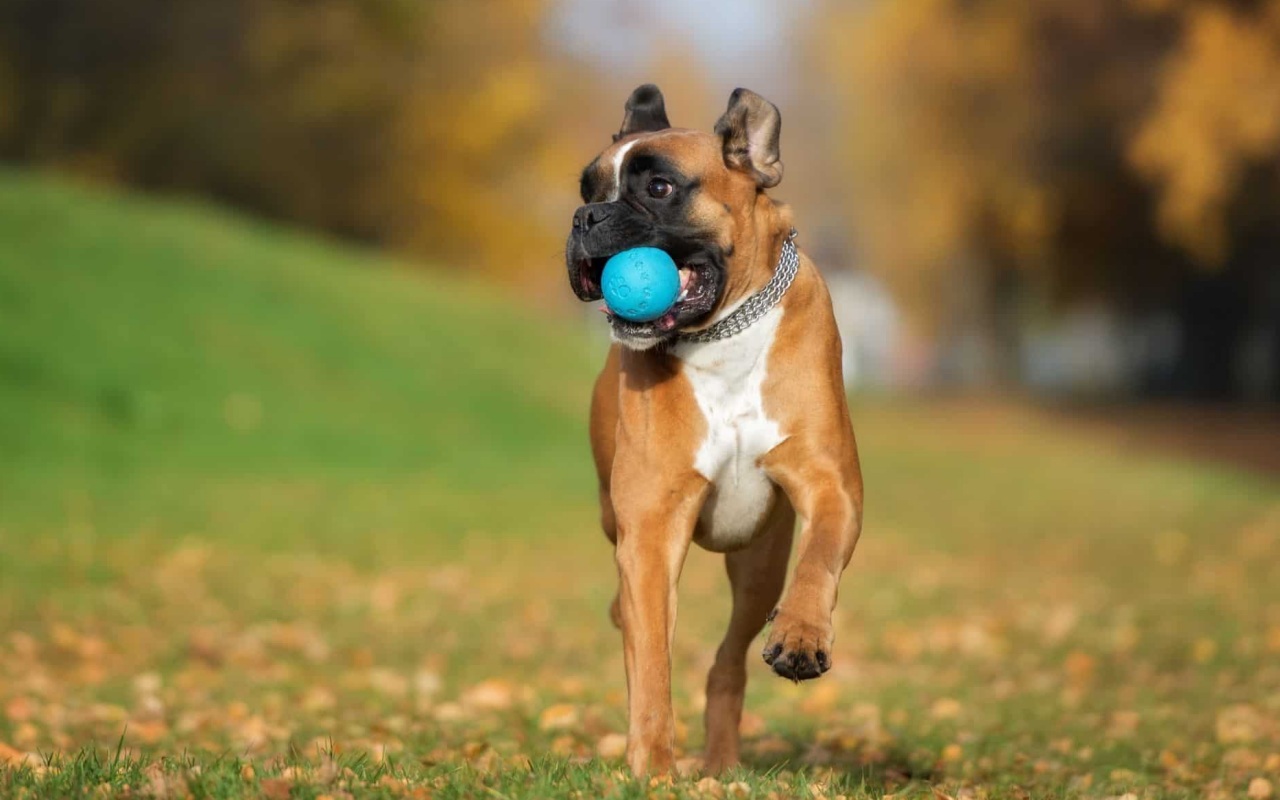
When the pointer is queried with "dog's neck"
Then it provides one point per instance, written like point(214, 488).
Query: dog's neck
point(759, 238)
point(757, 247)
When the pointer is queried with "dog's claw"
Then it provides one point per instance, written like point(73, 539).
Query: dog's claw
point(771, 654)
point(824, 662)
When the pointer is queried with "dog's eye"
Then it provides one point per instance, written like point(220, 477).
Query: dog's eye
point(659, 188)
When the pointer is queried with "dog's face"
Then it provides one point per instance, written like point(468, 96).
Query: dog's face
point(685, 192)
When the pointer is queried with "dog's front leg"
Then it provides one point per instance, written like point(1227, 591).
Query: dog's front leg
point(826, 492)
point(655, 526)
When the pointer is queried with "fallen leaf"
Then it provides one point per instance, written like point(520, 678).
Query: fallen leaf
point(945, 708)
point(426, 683)
point(147, 683)
point(563, 745)
point(1123, 724)
point(558, 717)
point(19, 709)
point(388, 682)
point(1239, 724)
point(611, 746)
point(1241, 759)
point(162, 786)
point(1080, 667)
point(449, 712)
point(490, 695)
point(277, 789)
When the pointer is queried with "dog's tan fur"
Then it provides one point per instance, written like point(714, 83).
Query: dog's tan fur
point(646, 427)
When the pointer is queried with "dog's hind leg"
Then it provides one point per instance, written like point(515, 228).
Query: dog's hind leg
point(756, 574)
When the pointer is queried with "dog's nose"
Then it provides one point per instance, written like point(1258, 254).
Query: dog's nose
point(589, 216)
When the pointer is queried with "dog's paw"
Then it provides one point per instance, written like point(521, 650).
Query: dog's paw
point(796, 649)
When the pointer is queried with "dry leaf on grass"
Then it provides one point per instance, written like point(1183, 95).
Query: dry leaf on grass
point(561, 716)
point(945, 708)
point(611, 746)
point(1239, 724)
point(490, 695)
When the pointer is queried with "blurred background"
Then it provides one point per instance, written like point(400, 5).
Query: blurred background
point(1076, 197)
point(293, 457)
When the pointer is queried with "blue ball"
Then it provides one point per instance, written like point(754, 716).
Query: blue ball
point(640, 284)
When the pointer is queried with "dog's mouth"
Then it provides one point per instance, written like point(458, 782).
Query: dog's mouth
point(701, 280)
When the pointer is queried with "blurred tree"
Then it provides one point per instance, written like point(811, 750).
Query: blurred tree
point(1114, 149)
point(1217, 114)
point(428, 126)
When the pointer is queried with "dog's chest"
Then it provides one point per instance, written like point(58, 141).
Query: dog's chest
point(727, 379)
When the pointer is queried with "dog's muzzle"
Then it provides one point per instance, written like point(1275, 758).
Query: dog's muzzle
point(602, 230)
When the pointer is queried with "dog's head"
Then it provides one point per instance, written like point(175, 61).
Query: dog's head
point(690, 193)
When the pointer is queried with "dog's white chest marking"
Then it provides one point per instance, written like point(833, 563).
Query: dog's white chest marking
point(727, 378)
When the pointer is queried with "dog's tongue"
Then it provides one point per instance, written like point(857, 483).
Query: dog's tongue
point(666, 322)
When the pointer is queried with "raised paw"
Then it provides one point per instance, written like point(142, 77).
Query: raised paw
point(797, 650)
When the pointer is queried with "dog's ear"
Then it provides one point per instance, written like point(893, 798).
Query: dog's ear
point(749, 133)
point(646, 112)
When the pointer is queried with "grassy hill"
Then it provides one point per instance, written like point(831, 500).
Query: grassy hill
point(283, 518)
point(164, 365)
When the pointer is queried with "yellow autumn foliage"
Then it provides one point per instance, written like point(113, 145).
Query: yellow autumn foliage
point(1217, 112)
point(1081, 140)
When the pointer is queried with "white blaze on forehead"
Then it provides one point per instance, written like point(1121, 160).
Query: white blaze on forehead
point(616, 190)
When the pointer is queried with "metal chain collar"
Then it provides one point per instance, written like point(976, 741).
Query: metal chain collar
point(758, 304)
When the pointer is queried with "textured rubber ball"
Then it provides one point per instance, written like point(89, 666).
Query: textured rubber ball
point(640, 284)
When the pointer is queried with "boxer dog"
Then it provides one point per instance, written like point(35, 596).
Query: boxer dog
point(722, 421)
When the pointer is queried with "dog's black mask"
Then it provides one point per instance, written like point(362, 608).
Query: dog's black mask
point(646, 203)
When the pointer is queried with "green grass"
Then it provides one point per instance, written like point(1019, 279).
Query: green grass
point(169, 365)
point(284, 518)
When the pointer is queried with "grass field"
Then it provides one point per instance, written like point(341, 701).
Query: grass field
point(280, 518)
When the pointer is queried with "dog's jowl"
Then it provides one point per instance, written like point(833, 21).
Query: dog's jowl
point(721, 422)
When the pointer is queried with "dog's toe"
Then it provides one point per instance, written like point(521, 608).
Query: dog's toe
point(797, 666)
point(771, 653)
